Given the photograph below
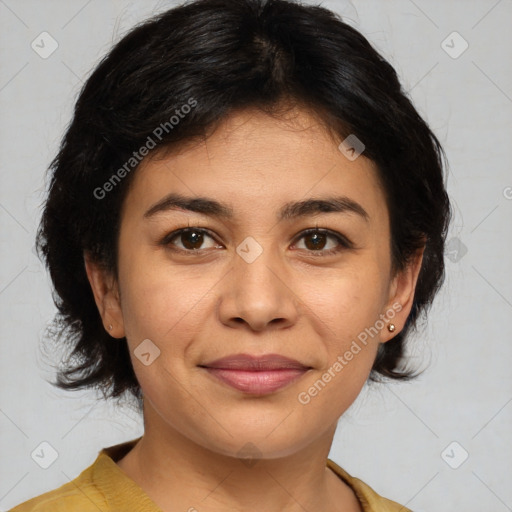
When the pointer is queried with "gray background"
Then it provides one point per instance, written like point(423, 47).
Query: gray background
point(396, 437)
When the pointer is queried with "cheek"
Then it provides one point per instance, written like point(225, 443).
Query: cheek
point(347, 302)
point(347, 310)
point(161, 303)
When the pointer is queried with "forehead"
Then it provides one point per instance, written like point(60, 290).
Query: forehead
point(253, 160)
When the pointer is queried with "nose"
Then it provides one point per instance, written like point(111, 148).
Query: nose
point(258, 295)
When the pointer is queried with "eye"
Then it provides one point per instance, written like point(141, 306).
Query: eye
point(191, 240)
point(316, 240)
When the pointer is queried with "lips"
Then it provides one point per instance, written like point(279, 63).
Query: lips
point(256, 363)
point(256, 374)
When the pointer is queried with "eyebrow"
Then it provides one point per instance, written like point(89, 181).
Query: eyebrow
point(291, 210)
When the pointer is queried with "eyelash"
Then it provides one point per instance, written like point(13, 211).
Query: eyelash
point(344, 243)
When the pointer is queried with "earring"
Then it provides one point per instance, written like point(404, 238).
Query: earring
point(391, 327)
point(110, 327)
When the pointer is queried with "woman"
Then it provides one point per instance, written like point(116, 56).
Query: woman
point(245, 220)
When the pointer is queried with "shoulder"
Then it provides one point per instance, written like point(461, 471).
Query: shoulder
point(369, 499)
point(101, 486)
point(78, 495)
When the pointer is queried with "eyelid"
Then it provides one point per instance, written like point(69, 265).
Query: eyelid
point(341, 239)
point(166, 240)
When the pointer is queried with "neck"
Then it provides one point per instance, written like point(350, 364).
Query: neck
point(164, 463)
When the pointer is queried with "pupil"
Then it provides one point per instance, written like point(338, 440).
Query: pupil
point(192, 239)
point(319, 241)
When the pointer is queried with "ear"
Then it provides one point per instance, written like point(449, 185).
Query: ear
point(106, 295)
point(401, 296)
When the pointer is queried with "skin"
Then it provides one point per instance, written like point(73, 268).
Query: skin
point(289, 301)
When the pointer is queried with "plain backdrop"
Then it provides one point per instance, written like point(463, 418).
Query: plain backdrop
point(440, 443)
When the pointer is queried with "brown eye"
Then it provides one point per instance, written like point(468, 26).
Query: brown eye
point(315, 241)
point(189, 240)
point(321, 242)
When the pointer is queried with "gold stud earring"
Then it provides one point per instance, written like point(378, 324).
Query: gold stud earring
point(391, 327)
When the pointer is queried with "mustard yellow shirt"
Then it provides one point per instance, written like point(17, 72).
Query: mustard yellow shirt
point(104, 487)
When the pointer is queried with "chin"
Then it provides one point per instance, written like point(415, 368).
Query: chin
point(277, 439)
point(250, 450)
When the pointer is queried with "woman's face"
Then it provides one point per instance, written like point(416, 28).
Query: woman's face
point(248, 280)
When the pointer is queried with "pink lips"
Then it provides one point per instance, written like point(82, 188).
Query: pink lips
point(256, 375)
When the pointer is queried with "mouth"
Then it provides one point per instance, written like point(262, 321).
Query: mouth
point(256, 375)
